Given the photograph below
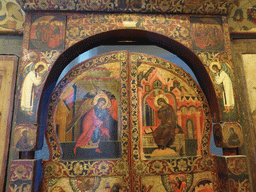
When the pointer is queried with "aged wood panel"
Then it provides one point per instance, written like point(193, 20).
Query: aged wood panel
point(8, 68)
point(244, 48)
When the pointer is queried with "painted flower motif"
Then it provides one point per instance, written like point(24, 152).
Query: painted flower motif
point(164, 5)
point(63, 4)
point(157, 166)
point(121, 167)
point(135, 150)
point(124, 122)
point(20, 171)
point(242, 165)
point(74, 32)
point(43, 4)
point(237, 166)
point(139, 167)
point(94, 5)
point(50, 169)
point(78, 168)
point(184, 32)
point(103, 167)
point(160, 31)
point(208, 162)
point(182, 165)
point(160, 19)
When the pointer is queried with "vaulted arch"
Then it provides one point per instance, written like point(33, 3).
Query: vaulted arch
point(131, 37)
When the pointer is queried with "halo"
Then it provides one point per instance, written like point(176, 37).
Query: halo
point(41, 63)
point(32, 54)
point(102, 95)
point(158, 97)
point(215, 63)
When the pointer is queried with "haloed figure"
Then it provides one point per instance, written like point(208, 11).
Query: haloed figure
point(23, 143)
point(31, 81)
point(164, 134)
point(94, 125)
point(225, 82)
point(233, 138)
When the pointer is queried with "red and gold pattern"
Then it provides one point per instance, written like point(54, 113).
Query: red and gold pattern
point(22, 174)
point(178, 7)
point(233, 173)
point(80, 26)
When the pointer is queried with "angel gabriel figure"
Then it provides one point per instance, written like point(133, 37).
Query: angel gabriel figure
point(96, 115)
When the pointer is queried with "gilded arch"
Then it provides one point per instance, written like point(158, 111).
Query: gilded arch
point(136, 36)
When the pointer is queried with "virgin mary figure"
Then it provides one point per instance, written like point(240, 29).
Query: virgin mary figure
point(164, 134)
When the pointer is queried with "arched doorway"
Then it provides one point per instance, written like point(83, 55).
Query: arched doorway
point(134, 37)
point(138, 87)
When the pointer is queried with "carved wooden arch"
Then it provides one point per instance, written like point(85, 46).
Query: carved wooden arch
point(130, 37)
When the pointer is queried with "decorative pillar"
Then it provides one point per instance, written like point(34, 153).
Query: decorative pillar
point(233, 173)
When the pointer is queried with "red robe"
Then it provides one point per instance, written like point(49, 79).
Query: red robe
point(182, 185)
point(90, 122)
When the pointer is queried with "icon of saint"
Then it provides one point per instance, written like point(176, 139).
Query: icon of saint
point(32, 80)
point(222, 78)
point(164, 134)
point(96, 124)
point(233, 138)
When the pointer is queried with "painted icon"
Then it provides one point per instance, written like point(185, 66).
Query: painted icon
point(47, 32)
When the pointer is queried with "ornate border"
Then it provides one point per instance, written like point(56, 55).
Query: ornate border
point(181, 6)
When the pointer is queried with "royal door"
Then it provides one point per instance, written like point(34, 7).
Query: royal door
point(126, 121)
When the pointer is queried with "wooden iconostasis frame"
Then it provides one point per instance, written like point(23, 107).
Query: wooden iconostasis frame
point(190, 55)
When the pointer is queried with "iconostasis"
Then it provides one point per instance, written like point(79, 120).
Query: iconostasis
point(124, 121)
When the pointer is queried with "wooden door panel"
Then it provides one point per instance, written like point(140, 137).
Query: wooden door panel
point(129, 122)
point(88, 133)
point(157, 154)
